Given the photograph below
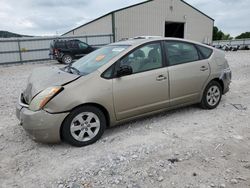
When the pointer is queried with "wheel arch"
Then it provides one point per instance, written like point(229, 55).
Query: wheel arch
point(203, 103)
point(220, 82)
point(100, 107)
point(214, 79)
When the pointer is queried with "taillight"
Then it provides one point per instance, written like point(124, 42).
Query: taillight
point(56, 51)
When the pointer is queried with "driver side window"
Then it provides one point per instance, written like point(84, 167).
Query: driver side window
point(143, 59)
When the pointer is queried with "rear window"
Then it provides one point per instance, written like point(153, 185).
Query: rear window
point(59, 44)
point(206, 52)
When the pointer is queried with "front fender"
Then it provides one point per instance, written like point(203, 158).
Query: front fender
point(87, 89)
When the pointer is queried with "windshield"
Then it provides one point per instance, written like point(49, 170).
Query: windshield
point(98, 58)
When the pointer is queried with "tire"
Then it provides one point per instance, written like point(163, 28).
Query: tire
point(67, 59)
point(212, 96)
point(83, 126)
point(59, 61)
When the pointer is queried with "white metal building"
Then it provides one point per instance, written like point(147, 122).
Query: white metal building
point(169, 18)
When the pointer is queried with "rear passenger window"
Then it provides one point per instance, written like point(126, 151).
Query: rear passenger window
point(69, 44)
point(75, 44)
point(206, 52)
point(181, 52)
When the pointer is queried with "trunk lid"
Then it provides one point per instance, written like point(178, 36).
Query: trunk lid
point(42, 78)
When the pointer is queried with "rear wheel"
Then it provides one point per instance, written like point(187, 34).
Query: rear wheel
point(84, 126)
point(67, 59)
point(212, 95)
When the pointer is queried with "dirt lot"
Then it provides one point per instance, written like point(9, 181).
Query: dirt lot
point(207, 148)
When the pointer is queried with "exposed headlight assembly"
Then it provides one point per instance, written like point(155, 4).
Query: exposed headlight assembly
point(39, 101)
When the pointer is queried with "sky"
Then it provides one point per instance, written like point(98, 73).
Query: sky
point(53, 17)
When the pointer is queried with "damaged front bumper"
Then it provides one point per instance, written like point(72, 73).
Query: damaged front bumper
point(40, 125)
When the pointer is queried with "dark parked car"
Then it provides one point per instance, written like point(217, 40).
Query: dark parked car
point(244, 47)
point(65, 51)
point(229, 47)
point(217, 46)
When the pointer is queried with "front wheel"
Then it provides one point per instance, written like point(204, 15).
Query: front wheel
point(211, 96)
point(84, 126)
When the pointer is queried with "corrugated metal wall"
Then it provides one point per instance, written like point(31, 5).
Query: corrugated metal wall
point(37, 48)
point(101, 26)
point(149, 19)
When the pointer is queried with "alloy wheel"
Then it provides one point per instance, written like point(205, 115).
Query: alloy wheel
point(85, 126)
point(213, 95)
point(67, 59)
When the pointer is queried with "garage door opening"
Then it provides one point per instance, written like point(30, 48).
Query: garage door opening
point(174, 29)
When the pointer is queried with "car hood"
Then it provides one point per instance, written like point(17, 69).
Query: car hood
point(42, 78)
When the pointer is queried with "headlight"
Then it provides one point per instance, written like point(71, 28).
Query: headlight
point(39, 101)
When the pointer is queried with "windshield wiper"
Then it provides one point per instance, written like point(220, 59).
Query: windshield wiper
point(71, 69)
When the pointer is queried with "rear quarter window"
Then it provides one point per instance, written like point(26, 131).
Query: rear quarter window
point(59, 44)
point(206, 52)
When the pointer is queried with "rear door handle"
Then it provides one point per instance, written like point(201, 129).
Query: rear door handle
point(203, 68)
point(161, 78)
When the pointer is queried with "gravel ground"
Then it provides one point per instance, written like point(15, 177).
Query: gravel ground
point(188, 147)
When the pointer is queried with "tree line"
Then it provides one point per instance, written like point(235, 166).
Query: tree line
point(7, 34)
point(219, 35)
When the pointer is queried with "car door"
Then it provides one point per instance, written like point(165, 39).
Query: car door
point(188, 72)
point(146, 90)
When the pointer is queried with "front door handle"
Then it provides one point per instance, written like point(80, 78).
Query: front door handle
point(203, 68)
point(161, 78)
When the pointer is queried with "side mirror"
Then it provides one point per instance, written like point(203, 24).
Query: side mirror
point(124, 70)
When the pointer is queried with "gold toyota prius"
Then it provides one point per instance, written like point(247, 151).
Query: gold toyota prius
point(120, 82)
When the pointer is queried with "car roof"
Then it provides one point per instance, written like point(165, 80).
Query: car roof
point(135, 41)
point(65, 40)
